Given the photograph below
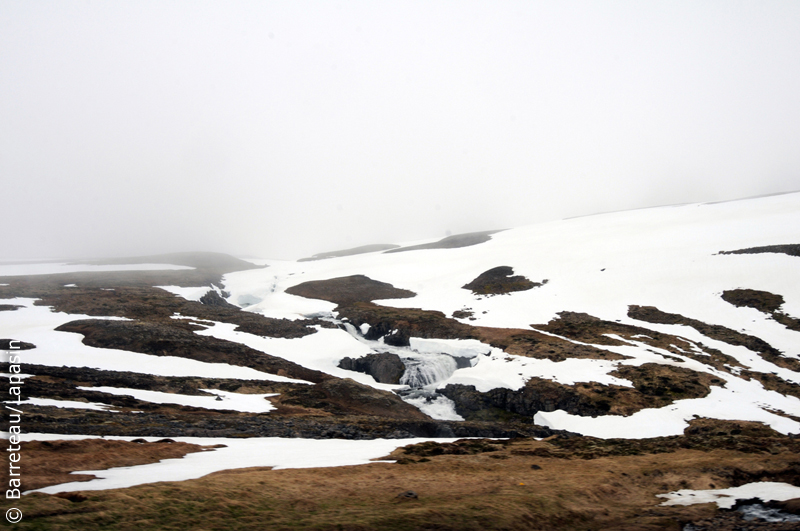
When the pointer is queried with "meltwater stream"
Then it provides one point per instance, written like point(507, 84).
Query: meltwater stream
point(427, 362)
point(426, 369)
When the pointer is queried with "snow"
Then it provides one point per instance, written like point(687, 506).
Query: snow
point(279, 453)
point(739, 400)
point(245, 403)
point(36, 324)
point(44, 268)
point(439, 407)
point(726, 498)
point(664, 257)
point(651, 257)
point(320, 351)
point(190, 294)
point(70, 404)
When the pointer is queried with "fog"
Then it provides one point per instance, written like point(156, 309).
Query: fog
point(283, 129)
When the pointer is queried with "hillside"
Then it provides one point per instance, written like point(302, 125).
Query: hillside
point(671, 332)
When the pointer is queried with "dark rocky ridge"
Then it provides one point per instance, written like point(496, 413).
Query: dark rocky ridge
point(186, 422)
point(654, 386)
point(451, 242)
point(208, 269)
point(383, 367)
point(167, 339)
point(212, 298)
point(350, 252)
point(220, 262)
point(792, 249)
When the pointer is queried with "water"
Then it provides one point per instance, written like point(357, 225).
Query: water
point(426, 369)
point(424, 365)
point(763, 513)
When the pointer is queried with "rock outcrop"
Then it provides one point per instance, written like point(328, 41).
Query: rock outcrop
point(383, 367)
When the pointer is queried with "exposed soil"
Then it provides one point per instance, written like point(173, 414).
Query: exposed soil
point(763, 301)
point(773, 382)
point(589, 329)
point(532, 344)
point(500, 280)
point(170, 339)
point(652, 314)
point(348, 290)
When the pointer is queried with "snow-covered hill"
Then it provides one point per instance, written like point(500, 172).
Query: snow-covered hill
point(669, 258)
point(620, 325)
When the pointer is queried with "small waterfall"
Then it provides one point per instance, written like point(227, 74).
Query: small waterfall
point(426, 369)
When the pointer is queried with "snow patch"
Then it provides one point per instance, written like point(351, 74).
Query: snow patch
point(726, 498)
point(221, 400)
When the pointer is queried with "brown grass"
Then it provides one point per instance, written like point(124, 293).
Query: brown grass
point(497, 489)
point(50, 462)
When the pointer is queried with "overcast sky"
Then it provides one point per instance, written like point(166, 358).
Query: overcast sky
point(282, 129)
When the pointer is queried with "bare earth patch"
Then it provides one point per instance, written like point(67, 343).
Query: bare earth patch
point(500, 280)
point(347, 290)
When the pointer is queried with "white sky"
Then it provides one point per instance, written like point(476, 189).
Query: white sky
point(281, 129)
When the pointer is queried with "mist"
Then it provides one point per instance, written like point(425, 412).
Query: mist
point(283, 129)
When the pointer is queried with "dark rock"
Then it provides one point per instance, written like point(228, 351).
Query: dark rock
point(537, 395)
point(500, 280)
point(451, 242)
point(5, 344)
point(792, 249)
point(212, 298)
point(408, 495)
point(350, 252)
point(462, 362)
point(409, 322)
point(383, 367)
point(536, 467)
